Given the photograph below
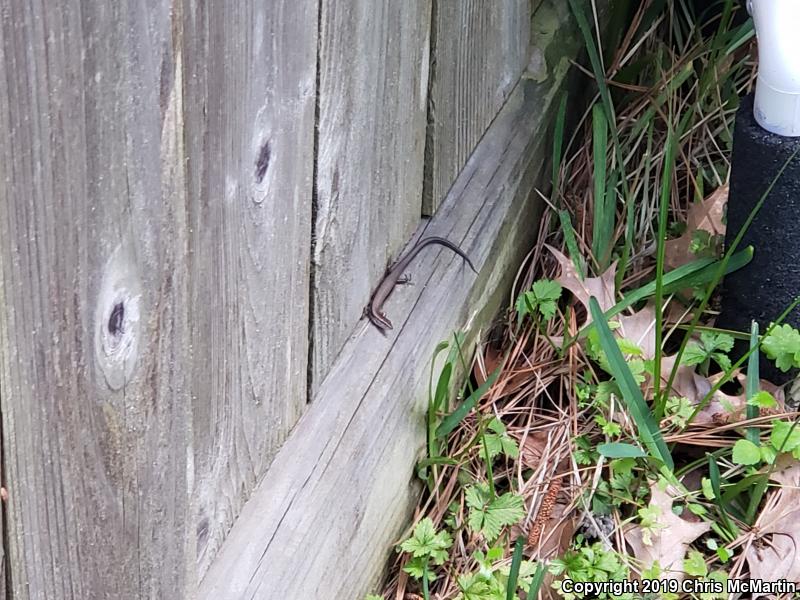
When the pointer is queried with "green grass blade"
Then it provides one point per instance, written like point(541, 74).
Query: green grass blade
point(601, 236)
point(513, 575)
point(666, 190)
point(453, 419)
point(439, 460)
point(759, 490)
point(536, 582)
point(572, 244)
point(437, 399)
point(558, 144)
point(693, 274)
point(488, 460)
point(752, 383)
point(594, 57)
point(714, 476)
point(442, 386)
point(442, 390)
point(631, 393)
point(740, 36)
point(620, 450)
point(598, 70)
point(646, 119)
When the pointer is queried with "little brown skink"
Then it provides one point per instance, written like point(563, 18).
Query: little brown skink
point(374, 309)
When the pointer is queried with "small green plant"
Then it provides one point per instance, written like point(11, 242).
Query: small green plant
point(746, 452)
point(712, 346)
point(784, 438)
point(498, 441)
point(782, 344)
point(695, 564)
point(704, 244)
point(488, 514)
point(609, 428)
point(585, 452)
point(541, 301)
point(678, 411)
point(589, 563)
point(763, 399)
point(491, 581)
point(427, 547)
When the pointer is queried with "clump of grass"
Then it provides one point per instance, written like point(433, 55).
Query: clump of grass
point(574, 451)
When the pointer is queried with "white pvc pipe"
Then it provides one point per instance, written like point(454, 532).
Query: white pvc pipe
point(777, 104)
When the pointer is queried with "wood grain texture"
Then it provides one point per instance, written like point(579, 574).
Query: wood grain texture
point(93, 300)
point(337, 495)
point(372, 103)
point(251, 74)
point(478, 51)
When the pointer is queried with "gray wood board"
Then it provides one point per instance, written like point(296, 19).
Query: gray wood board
point(251, 83)
point(337, 496)
point(93, 300)
point(372, 106)
point(478, 51)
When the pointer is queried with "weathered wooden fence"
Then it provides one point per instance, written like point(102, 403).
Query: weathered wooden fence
point(196, 199)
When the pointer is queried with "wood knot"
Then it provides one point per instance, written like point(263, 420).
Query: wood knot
point(117, 318)
point(262, 163)
point(116, 321)
point(261, 144)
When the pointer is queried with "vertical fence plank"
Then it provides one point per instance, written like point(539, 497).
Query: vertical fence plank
point(372, 106)
point(479, 50)
point(93, 322)
point(251, 82)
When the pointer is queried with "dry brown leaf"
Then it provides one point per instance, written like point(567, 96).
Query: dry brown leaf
point(491, 360)
point(722, 408)
point(726, 408)
point(601, 287)
point(775, 553)
point(687, 383)
point(669, 540)
point(640, 328)
point(533, 449)
point(707, 216)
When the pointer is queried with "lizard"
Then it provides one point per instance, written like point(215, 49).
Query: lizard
point(394, 276)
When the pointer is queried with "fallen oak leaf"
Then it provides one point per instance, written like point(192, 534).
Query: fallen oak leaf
point(687, 383)
point(533, 449)
point(703, 216)
point(601, 287)
point(640, 328)
point(669, 537)
point(722, 408)
point(775, 552)
point(728, 408)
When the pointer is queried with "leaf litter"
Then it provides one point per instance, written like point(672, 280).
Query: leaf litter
point(548, 396)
